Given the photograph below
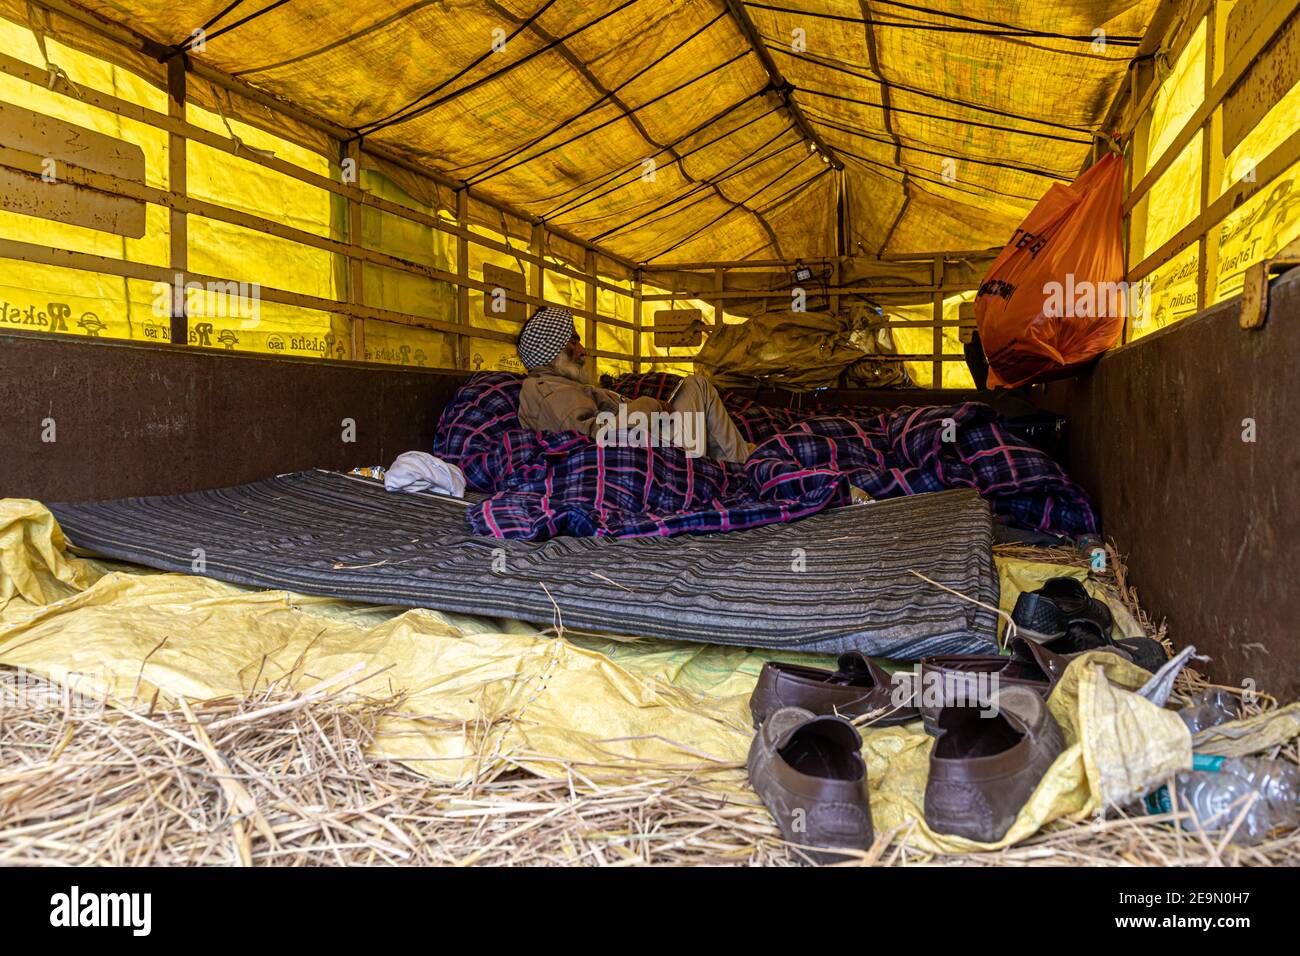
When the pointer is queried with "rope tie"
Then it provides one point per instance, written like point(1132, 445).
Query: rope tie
point(505, 234)
point(54, 71)
point(1111, 141)
point(235, 137)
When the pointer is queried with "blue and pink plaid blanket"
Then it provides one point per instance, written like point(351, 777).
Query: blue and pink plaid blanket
point(543, 484)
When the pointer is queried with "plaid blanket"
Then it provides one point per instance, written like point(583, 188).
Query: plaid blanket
point(543, 484)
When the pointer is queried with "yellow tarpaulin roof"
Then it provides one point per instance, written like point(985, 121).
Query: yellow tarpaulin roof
point(682, 131)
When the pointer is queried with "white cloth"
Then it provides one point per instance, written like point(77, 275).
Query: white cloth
point(420, 471)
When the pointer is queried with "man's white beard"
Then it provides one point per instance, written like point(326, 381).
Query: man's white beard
point(569, 368)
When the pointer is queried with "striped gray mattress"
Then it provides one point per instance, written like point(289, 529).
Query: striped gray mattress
point(836, 581)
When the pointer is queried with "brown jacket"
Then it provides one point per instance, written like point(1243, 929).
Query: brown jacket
point(551, 402)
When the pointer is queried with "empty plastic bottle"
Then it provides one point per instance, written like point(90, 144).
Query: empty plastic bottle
point(1217, 792)
point(1209, 708)
point(1278, 782)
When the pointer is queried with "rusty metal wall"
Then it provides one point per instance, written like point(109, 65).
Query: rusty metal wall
point(131, 419)
point(1210, 522)
point(135, 420)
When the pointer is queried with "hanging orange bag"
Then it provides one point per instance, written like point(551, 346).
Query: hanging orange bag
point(1055, 296)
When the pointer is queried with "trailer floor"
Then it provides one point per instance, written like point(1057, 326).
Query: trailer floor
point(333, 760)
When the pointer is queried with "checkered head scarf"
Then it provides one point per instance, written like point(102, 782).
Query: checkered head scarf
point(545, 336)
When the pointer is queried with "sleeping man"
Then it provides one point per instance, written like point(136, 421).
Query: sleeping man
point(556, 397)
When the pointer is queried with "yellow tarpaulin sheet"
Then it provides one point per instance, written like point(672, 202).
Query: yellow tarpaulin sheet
point(656, 125)
point(650, 128)
point(1258, 228)
point(484, 695)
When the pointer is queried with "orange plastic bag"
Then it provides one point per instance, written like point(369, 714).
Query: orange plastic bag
point(1055, 296)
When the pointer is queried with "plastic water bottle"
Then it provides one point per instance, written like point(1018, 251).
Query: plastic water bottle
point(1278, 783)
point(1209, 708)
point(1217, 790)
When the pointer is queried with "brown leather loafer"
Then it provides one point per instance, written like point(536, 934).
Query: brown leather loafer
point(858, 687)
point(984, 767)
point(1030, 664)
point(809, 772)
point(972, 679)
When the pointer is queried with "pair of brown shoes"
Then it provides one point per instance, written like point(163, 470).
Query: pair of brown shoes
point(996, 740)
point(806, 759)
